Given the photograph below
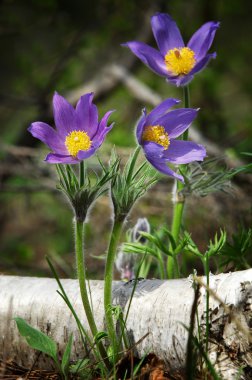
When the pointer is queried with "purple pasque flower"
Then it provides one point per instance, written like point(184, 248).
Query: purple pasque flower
point(78, 132)
point(175, 61)
point(156, 133)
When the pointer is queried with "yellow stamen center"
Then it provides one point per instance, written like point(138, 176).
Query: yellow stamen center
point(157, 134)
point(180, 61)
point(76, 141)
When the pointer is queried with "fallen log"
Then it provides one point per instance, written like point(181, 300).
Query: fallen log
point(159, 308)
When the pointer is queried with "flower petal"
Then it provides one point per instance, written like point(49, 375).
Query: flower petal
point(87, 115)
point(202, 39)
point(182, 152)
point(164, 169)
point(140, 126)
point(83, 154)
point(153, 150)
point(183, 80)
point(160, 110)
point(102, 129)
point(53, 158)
point(177, 121)
point(98, 140)
point(166, 32)
point(48, 136)
point(149, 56)
point(155, 155)
point(203, 63)
point(64, 115)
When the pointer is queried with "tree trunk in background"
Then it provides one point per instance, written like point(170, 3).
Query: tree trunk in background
point(158, 308)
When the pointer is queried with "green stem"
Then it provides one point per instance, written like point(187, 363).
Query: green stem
point(115, 236)
point(82, 173)
point(206, 270)
point(186, 97)
point(179, 203)
point(79, 239)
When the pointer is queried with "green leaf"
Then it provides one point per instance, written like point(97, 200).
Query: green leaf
point(215, 246)
point(79, 366)
point(99, 336)
point(66, 357)
point(210, 176)
point(36, 339)
point(129, 184)
point(131, 165)
point(191, 246)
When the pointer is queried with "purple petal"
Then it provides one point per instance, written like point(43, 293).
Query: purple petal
point(203, 63)
point(155, 155)
point(83, 154)
point(182, 152)
point(177, 121)
point(202, 39)
point(87, 115)
point(166, 33)
point(160, 110)
point(153, 150)
point(140, 126)
point(64, 115)
point(48, 136)
point(164, 169)
point(102, 129)
point(149, 56)
point(53, 158)
point(98, 140)
point(184, 80)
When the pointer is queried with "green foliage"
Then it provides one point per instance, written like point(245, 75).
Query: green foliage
point(66, 357)
point(214, 247)
point(82, 192)
point(81, 368)
point(36, 339)
point(64, 296)
point(160, 245)
point(237, 252)
point(208, 177)
point(85, 338)
point(129, 184)
point(99, 336)
point(41, 342)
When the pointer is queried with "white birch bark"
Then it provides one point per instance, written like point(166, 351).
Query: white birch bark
point(158, 308)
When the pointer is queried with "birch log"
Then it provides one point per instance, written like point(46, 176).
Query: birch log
point(158, 308)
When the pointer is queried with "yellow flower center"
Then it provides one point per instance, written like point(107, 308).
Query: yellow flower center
point(180, 61)
point(157, 134)
point(76, 141)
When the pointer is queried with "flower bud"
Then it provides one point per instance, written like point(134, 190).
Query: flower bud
point(142, 225)
point(125, 263)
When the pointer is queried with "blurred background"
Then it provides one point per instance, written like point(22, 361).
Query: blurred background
point(74, 47)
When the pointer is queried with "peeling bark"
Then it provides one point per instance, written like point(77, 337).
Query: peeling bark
point(158, 308)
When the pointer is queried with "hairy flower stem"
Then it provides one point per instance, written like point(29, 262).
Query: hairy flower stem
point(186, 96)
point(206, 270)
point(115, 236)
point(79, 239)
point(179, 202)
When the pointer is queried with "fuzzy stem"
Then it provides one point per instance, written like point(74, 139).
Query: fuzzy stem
point(186, 97)
point(179, 203)
point(206, 270)
point(82, 173)
point(115, 236)
point(79, 239)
